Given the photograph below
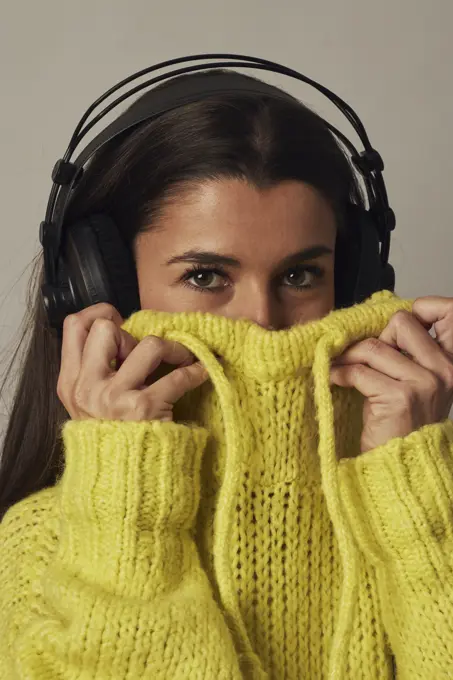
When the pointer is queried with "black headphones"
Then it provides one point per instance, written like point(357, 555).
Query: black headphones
point(88, 262)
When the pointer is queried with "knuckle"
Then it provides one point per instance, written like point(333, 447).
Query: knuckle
point(358, 371)
point(152, 342)
point(405, 397)
point(110, 399)
point(101, 324)
point(401, 319)
point(102, 310)
point(174, 346)
point(181, 377)
point(71, 321)
point(373, 345)
point(105, 308)
point(141, 405)
point(433, 384)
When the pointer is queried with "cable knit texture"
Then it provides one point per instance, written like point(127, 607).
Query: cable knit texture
point(249, 539)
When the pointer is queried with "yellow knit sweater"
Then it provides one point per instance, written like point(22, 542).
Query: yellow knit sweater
point(248, 539)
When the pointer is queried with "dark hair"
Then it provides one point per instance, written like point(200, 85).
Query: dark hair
point(237, 135)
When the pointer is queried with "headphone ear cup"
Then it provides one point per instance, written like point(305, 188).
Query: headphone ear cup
point(346, 266)
point(358, 267)
point(99, 265)
point(388, 278)
point(369, 274)
point(347, 260)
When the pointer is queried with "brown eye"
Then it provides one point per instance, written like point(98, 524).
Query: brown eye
point(302, 277)
point(202, 279)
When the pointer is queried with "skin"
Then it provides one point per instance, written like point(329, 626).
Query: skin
point(405, 375)
point(226, 217)
point(282, 242)
point(259, 229)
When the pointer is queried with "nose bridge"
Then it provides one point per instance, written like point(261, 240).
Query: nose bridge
point(258, 304)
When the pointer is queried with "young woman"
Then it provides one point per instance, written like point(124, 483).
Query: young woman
point(218, 505)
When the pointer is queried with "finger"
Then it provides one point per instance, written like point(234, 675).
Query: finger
point(366, 380)
point(383, 358)
point(406, 333)
point(105, 342)
point(437, 312)
point(146, 358)
point(432, 308)
point(76, 328)
point(175, 353)
point(175, 385)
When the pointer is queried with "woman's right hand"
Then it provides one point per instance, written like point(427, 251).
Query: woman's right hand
point(89, 387)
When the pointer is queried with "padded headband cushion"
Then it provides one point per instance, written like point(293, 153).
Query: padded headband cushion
point(178, 93)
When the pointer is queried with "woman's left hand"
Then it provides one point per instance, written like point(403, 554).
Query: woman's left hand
point(405, 375)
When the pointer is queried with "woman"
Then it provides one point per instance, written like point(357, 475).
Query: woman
point(264, 523)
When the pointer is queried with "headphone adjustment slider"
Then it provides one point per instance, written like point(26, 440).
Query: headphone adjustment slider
point(45, 229)
point(368, 162)
point(64, 172)
point(389, 219)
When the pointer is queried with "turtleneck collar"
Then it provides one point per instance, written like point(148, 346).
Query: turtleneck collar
point(264, 354)
point(226, 347)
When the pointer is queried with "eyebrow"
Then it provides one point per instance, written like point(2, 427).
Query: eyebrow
point(212, 258)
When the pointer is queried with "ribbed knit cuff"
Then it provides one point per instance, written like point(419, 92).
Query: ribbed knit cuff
point(126, 486)
point(399, 497)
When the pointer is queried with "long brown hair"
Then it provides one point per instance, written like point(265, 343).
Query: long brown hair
point(264, 140)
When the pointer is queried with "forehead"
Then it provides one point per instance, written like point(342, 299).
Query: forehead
point(231, 215)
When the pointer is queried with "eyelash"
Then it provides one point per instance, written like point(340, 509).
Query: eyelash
point(196, 269)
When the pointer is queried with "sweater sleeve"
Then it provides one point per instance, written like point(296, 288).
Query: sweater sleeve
point(125, 596)
point(399, 502)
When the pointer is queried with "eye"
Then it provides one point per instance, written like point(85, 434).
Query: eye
point(202, 279)
point(302, 277)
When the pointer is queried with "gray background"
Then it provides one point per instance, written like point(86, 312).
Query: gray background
point(392, 60)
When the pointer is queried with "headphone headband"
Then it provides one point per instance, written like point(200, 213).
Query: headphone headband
point(154, 103)
point(149, 107)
